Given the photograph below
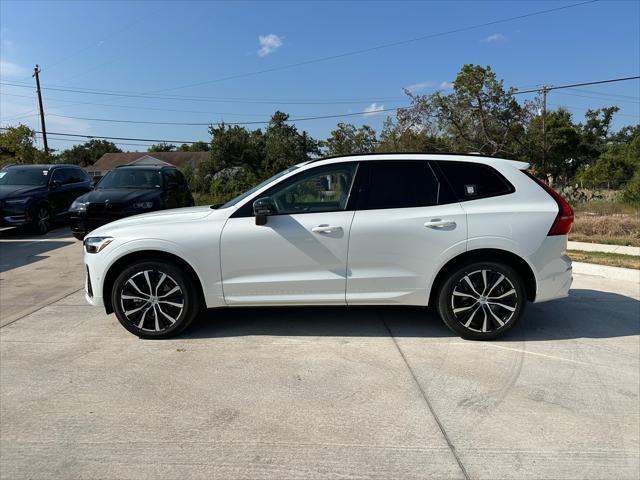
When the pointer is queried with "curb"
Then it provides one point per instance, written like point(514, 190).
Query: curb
point(615, 273)
point(599, 247)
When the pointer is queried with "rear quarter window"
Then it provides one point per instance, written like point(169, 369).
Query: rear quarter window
point(470, 181)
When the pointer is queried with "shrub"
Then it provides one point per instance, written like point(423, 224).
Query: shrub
point(574, 194)
point(631, 192)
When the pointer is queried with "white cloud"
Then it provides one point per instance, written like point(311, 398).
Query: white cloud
point(8, 69)
point(446, 85)
point(496, 37)
point(269, 44)
point(416, 87)
point(373, 109)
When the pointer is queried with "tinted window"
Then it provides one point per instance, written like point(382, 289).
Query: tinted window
point(322, 189)
point(60, 175)
point(131, 178)
point(474, 180)
point(170, 176)
point(24, 176)
point(400, 184)
point(181, 180)
point(73, 175)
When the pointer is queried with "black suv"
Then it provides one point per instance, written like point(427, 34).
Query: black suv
point(129, 190)
point(34, 196)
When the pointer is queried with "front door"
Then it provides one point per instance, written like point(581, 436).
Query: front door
point(300, 254)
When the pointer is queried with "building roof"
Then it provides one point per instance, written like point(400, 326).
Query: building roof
point(179, 159)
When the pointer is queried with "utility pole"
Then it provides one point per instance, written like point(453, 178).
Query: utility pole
point(544, 90)
point(36, 73)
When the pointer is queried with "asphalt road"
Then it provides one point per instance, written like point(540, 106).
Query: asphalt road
point(310, 393)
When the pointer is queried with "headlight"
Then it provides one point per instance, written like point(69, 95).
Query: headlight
point(17, 201)
point(142, 205)
point(96, 244)
point(78, 206)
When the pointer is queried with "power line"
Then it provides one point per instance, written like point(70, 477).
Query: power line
point(284, 102)
point(584, 90)
point(604, 99)
point(257, 122)
point(558, 87)
point(116, 138)
point(378, 47)
point(126, 94)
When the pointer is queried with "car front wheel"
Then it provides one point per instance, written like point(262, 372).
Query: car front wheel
point(40, 220)
point(154, 299)
point(482, 300)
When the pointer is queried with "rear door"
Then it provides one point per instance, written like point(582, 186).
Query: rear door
point(404, 229)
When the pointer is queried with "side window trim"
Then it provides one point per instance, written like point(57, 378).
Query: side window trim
point(246, 210)
point(508, 185)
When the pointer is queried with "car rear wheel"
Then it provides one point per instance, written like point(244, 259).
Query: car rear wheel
point(40, 220)
point(154, 299)
point(482, 300)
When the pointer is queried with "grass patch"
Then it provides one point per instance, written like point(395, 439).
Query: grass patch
point(613, 223)
point(603, 258)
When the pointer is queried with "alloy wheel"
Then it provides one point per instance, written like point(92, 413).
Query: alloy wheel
point(484, 300)
point(152, 300)
point(43, 220)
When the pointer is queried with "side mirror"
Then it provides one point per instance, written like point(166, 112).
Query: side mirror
point(55, 184)
point(262, 208)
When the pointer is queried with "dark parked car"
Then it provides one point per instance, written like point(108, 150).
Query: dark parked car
point(34, 196)
point(129, 190)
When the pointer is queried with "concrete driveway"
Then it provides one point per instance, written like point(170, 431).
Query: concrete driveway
point(311, 393)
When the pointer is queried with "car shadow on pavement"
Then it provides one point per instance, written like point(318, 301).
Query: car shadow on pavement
point(18, 248)
point(584, 314)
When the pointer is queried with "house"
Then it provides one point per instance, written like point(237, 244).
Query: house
point(109, 161)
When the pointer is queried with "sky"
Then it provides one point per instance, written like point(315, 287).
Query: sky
point(240, 61)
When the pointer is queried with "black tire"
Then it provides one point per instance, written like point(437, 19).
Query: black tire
point(482, 306)
point(40, 220)
point(78, 235)
point(159, 289)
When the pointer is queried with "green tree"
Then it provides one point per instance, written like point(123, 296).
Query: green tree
point(480, 115)
point(614, 168)
point(402, 136)
point(285, 146)
point(162, 147)
point(596, 134)
point(556, 157)
point(346, 139)
point(235, 146)
point(17, 145)
point(87, 153)
point(194, 147)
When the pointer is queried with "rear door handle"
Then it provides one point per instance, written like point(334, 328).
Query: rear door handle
point(326, 229)
point(438, 223)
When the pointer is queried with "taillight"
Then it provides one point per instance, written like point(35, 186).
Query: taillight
point(564, 220)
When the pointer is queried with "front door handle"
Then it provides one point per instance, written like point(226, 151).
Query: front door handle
point(326, 229)
point(439, 223)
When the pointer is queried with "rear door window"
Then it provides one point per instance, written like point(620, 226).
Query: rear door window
point(400, 184)
point(470, 181)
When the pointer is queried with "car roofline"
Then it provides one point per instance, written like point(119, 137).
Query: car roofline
point(48, 166)
point(440, 156)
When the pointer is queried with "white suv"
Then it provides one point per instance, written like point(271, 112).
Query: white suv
point(474, 236)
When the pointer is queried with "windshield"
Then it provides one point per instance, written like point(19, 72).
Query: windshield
point(131, 178)
point(24, 176)
point(244, 195)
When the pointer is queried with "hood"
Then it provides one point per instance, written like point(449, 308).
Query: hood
point(155, 219)
point(119, 195)
point(11, 191)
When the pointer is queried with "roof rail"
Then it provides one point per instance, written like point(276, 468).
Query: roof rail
point(462, 154)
